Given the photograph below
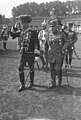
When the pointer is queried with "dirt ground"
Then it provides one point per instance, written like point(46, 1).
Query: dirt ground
point(39, 102)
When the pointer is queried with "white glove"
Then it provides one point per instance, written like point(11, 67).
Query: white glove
point(18, 47)
point(36, 58)
point(63, 52)
point(36, 51)
point(21, 50)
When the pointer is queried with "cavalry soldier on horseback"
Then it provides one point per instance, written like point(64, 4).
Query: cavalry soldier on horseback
point(27, 46)
point(58, 43)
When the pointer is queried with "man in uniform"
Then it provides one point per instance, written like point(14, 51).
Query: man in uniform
point(58, 43)
point(5, 36)
point(73, 38)
point(27, 46)
point(43, 41)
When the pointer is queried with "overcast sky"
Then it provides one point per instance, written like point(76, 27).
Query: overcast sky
point(7, 5)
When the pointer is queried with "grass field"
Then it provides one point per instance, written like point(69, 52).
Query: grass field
point(39, 102)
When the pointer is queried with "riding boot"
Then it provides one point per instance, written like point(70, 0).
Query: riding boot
point(4, 46)
point(70, 61)
point(22, 87)
point(31, 79)
point(60, 77)
point(53, 75)
point(66, 60)
point(53, 83)
point(43, 62)
point(46, 65)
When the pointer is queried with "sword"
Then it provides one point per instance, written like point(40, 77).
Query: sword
point(29, 72)
point(76, 54)
point(66, 75)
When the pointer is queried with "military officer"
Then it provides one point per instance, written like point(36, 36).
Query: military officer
point(73, 38)
point(43, 41)
point(27, 46)
point(58, 43)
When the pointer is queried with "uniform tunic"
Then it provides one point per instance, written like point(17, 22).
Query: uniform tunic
point(73, 38)
point(43, 41)
point(5, 35)
point(58, 43)
point(27, 41)
point(43, 38)
point(27, 46)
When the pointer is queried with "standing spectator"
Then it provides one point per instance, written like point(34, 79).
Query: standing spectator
point(36, 28)
point(73, 38)
point(19, 28)
point(43, 41)
point(5, 36)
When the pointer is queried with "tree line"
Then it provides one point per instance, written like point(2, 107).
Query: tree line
point(43, 9)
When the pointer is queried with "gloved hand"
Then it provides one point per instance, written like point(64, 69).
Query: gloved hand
point(18, 47)
point(36, 51)
point(63, 52)
point(21, 50)
point(49, 49)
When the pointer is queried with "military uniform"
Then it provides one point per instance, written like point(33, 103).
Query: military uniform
point(27, 45)
point(43, 41)
point(73, 38)
point(58, 44)
point(5, 36)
